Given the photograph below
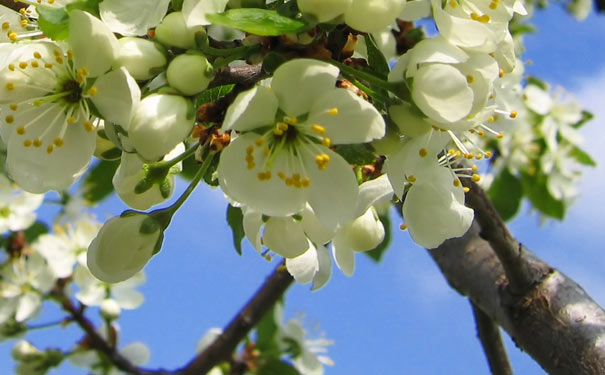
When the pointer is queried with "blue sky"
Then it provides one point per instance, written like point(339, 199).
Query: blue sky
point(396, 317)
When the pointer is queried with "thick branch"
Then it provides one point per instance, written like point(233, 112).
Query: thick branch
point(224, 345)
point(521, 276)
point(489, 335)
point(555, 321)
point(12, 4)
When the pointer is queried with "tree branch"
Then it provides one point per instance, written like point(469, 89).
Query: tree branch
point(489, 335)
point(224, 345)
point(553, 320)
point(12, 4)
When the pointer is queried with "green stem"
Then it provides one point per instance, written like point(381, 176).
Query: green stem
point(48, 325)
point(164, 215)
point(396, 88)
point(246, 51)
point(169, 163)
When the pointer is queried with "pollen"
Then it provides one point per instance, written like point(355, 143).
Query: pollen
point(259, 142)
point(403, 226)
point(35, 64)
point(322, 161)
point(456, 183)
point(88, 126)
point(71, 120)
point(470, 79)
point(493, 5)
point(93, 91)
point(423, 152)
point(290, 120)
point(467, 189)
point(10, 86)
point(263, 176)
point(412, 179)
point(23, 23)
point(306, 182)
point(326, 141)
point(476, 177)
point(333, 111)
point(5, 25)
point(12, 36)
point(500, 135)
point(513, 114)
point(281, 175)
point(27, 143)
point(48, 65)
point(501, 73)
point(70, 55)
point(37, 142)
point(479, 156)
point(22, 65)
point(58, 142)
point(59, 60)
point(491, 119)
point(50, 149)
point(9, 119)
point(488, 155)
point(474, 168)
point(278, 132)
point(11, 67)
point(318, 129)
point(37, 55)
point(21, 130)
point(453, 4)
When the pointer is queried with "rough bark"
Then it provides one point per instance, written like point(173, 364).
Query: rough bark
point(555, 321)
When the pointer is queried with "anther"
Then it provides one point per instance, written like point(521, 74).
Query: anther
point(318, 129)
point(470, 79)
point(259, 142)
point(22, 65)
point(92, 91)
point(9, 119)
point(326, 141)
point(456, 183)
point(467, 189)
point(10, 86)
point(501, 73)
point(21, 130)
point(333, 111)
point(37, 142)
point(412, 179)
point(5, 25)
point(58, 142)
point(37, 55)
point(513, 114)
point(71, 120)
point(88, 126)
point(27, 143)
point(49, 149)
point(423, 152)
point(476, 177)
point(12, 36)
point(403, 226)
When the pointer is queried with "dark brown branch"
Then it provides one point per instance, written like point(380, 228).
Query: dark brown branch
point(12, 4)
point(96, 341)
point(519, 273)
point(223, 347)
point(491, 341)
point(555, 321)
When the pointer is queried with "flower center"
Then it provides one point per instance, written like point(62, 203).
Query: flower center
point(73, 90)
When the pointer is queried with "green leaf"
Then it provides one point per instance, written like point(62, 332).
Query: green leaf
point(377, 253)
point(357, 154)
point(534, 187)
point(257, 21)
point(266, 331)
point(35, 230)
point(582, 157)
point(212, 95)
point(97, 185)
point(275, 366)
point(376, 59)
point(235, 219)
point(54, 22)
point(506, 194)
point(531, 80)
point(586, 117)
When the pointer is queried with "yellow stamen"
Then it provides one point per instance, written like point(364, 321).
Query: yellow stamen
point(318, 129)
point(259, 142)
point(403, 226)
point(50, 149)
point(333, 111)
point(326, 142)
point(476, 177)
point(93, 91)
point(58, 142)
point(21, 130)
point(9, 119)
point(10, 86)
point(37, 142)
point(412, 179)
point(423, 152)
point(27, 143)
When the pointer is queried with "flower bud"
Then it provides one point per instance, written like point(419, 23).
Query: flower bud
point(159, 123)
point(141, 57)
point(364, 233)
point(173, 32)
point(110, 309)
point(190, 74)
point(323, 10)
point(105, 149)
point(24, 351)
point(123, 246)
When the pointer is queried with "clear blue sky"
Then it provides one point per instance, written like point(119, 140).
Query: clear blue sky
point(399, 317)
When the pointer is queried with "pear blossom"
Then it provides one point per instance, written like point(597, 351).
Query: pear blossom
point(17, 207)
point(281, 160)
point(67, 245)
point(123, 246)
point(32, 361)
point(433, 206)
point(47, 121)
point(12, 24)
point(311, 353)
point(142, 58)
point(23, 282)
point(93, 292)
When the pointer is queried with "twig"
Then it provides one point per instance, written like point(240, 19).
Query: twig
point(224, 345)
point(12, 4)
point(489, 336)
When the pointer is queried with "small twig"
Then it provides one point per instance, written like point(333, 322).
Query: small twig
point(224, 345)
point(489, 336)
point(12, 4)
point(97, 342)
point(521, 277)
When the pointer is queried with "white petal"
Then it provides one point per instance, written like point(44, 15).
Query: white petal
point(286, 237)
point(252, 223)
point(371, 192)
point(298, 83)
point(27, 306)
point(333, 190)
point(324, 271)
point(355, 120)
point(303, 267)
point(343, 255)
point(442, 92)
point(195, 11)
point(132, 17)
point(127, 298)
point(91, 31)
point(463, 32)
point(316, 232)
point(137, 353)
point(251, 109)
point(117, 96)
point(373, 15)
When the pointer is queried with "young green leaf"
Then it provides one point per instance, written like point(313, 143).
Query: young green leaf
point(257, 21)
point(235, 220)
point(506, 194)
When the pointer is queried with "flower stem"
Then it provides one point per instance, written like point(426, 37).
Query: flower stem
point(169, 163)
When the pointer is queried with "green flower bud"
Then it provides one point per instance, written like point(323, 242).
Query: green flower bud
point(173, 32)
point(190, 74)
point(142, 58)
